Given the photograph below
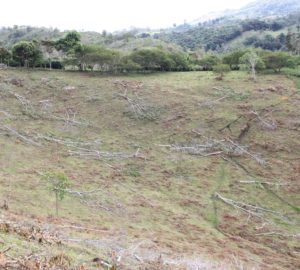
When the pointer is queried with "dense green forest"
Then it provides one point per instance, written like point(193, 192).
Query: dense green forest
point(219, 34)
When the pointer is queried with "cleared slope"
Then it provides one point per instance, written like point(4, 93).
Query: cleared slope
point(154, 193)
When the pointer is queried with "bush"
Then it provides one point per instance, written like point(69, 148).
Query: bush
point(220, 70)
point(233, 59)
point(292, 72)
point(208, 62)
point(278, 60)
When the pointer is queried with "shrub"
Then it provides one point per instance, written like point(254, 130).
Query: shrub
point(278, 60)
point(220, 70)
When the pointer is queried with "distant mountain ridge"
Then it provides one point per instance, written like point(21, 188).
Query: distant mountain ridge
point(260, 24)
point(255, 9)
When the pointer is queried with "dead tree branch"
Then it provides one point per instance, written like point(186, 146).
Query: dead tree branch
point(258, 113)
point(69, 118)
point(139, 108)
point(136, 104)
point(228, 126)
point(243, 150)
point(251, 210)
point(69, 142)
point(95, 154)
point(297, 236)
point(211, 103)
point(8, 115)
point(24, 101)
point(268, 125)
point(263, 183)
point(18, 135)
point(212, 147)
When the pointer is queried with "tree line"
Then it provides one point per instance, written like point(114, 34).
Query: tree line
point(250, 60)
point(69, 52)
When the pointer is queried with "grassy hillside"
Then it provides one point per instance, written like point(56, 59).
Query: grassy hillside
point(169, 171)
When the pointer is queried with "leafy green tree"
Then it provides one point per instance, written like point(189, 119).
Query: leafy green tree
point(26, 53)
point(288, 41)
point(49, 51)
point(209, 61)
point(69, 42)
point(292, 42)
point(164, 60)
point(180, 60)
point(153, 59)
point(58, 183)
point(128, 65)
point(233, 59)
point(5, 55)
point(220, 70)
point(88, 56)
point(278, 60)
point(77, 56)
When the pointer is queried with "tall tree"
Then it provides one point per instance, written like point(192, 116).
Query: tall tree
point(209, 61)
point(292, 42)
point(233, 59)
point(26, 53)
point(69, 42)
point(5, 55)
point(49, 51)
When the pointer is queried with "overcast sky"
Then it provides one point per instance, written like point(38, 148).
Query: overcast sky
point(110, 15)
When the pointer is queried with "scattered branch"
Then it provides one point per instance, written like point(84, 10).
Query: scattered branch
point(251, 210)
point(27, 107)
point(136, 104)
point(95, 154)
point(258, 113)
point(138, 108)
point(69, 142)
point(244, 131)
point(8, 115)
point(212, 147)
point(20, 136)
point(211, 103)
point(297, 236)
point(263, 183)
point(68, 119)
point(268, 125)
point(81, 228)
point(5, 250)
point(243, 150)
point(230, 93)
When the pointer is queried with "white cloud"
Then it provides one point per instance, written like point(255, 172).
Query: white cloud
point(110, 14)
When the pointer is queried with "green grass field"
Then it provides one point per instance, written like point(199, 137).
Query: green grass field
point(164, 183)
